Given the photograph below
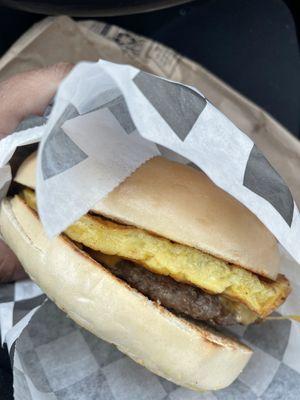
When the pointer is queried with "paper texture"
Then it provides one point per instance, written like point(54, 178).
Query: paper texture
point(40, 359)
point(95, 138)
point(106, 121)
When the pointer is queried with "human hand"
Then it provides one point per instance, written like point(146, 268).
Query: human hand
point(23, 95)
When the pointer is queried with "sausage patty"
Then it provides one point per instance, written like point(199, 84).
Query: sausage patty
point(179, 297)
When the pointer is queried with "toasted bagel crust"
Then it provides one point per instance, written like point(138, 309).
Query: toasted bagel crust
point(190, 355)
point(180, 203)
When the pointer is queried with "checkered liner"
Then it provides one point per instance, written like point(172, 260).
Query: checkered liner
point(54, 359)
point(127, 117)
point(139, 115)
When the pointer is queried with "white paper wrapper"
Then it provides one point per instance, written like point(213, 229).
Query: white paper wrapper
point(106, 121)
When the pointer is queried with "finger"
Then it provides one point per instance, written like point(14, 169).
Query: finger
point(28, 93)
point(20, 96)
point(10, 267)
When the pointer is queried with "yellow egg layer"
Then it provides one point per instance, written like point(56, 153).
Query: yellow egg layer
point(182, 263)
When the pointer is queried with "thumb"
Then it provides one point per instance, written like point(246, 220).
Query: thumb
point(23, 95)
point(28, 93)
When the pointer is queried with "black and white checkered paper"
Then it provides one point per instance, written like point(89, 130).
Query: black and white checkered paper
point(111, 116)
point(107, 120)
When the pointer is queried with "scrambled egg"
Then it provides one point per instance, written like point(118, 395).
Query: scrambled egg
point(182, 263)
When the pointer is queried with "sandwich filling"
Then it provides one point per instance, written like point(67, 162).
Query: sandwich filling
point(232, 294)
point(185, 300)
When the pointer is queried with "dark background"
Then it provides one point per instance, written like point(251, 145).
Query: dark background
point(253, 45)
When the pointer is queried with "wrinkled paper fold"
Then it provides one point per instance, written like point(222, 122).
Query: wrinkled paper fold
point(110, 118)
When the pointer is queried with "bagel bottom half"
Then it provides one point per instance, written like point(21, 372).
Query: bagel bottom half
point(191, 355)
